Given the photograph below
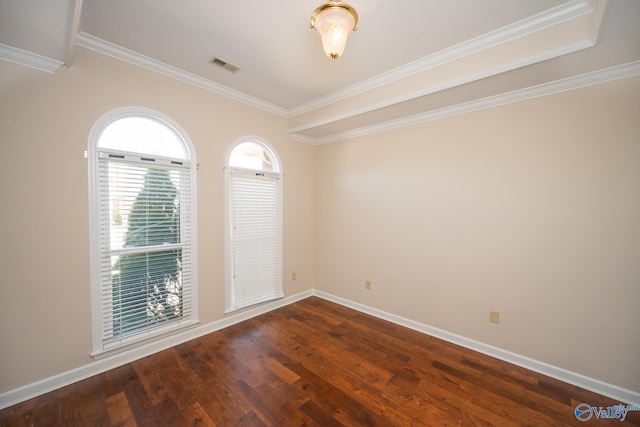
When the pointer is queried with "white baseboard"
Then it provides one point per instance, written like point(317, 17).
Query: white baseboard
point(99, 366)
point(597, 386)
point(46, 385)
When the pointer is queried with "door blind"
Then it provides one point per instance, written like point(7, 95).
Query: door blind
point(256, 237)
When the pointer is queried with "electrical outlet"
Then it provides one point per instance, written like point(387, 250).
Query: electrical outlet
point(367, 284)
point(294, 276)
point(494, 317)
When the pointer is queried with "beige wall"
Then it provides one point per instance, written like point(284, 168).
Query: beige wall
point(45, 119)
point(531, 209)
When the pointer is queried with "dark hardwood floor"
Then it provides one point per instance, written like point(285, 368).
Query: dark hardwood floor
point(314, 363)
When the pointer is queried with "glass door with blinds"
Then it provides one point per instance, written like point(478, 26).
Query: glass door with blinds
point(254, 226)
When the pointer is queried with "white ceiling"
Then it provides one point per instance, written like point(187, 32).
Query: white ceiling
point(408, 57)
point(281, 59)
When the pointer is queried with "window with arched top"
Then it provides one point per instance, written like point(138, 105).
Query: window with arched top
point(253, 155)
point(254, 224)
point(144, 135)
point(142, 194)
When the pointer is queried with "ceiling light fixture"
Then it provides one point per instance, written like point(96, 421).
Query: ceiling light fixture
point(333, 21)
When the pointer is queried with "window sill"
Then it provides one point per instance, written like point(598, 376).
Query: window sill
point(142, 339)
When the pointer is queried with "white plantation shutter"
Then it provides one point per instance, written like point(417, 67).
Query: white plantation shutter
point(256, 237)
point(145, 242)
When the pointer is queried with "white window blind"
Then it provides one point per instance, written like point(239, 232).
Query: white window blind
point(256, 237)
point(145, 246)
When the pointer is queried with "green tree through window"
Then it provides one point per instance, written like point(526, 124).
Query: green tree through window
point(143, 234)
point(147, 286)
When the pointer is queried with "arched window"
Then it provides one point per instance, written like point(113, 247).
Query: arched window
point(142, 198)
point(254, 224)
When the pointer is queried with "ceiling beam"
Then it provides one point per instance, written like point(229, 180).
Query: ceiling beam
point(73, 26)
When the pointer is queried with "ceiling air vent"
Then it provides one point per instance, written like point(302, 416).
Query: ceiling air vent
point(224, 64)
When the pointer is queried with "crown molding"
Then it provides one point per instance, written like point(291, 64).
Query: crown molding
point(29, 59)
point(73, 27)
point(110, 49)
point(548, 18)
point(306, 139)
point(538, 22)
point(448, 85)
point(601, 9)
point(617, 72)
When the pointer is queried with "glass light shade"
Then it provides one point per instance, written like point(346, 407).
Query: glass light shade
point(334, 21)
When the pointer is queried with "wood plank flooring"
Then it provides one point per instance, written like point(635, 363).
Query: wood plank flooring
point(314, 363)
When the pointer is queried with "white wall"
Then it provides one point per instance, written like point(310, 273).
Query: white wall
point(531, 209)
